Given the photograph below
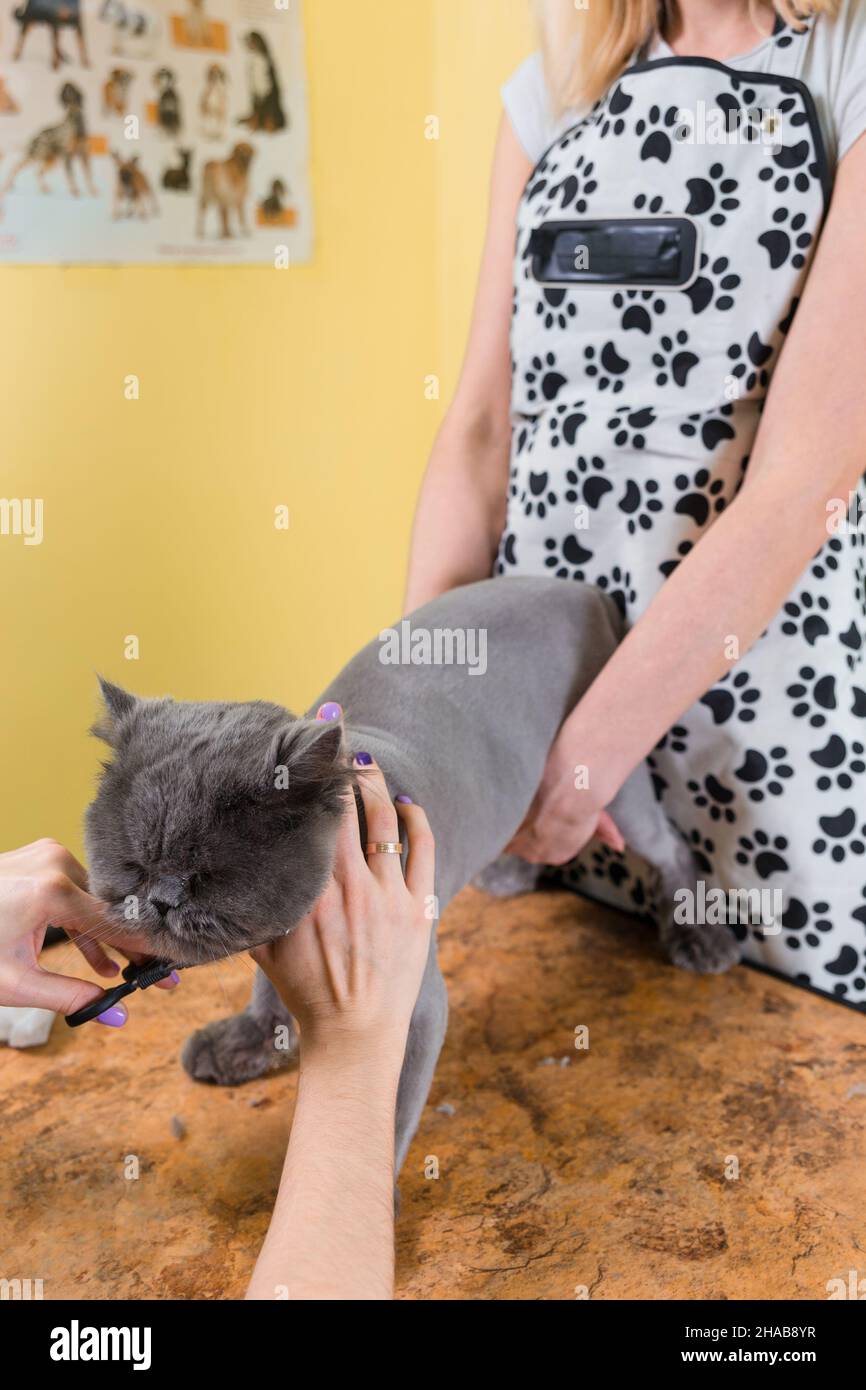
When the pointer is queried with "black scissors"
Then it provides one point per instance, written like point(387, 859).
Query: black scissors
point(135, 977)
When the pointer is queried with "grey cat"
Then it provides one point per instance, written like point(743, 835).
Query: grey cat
point(220, 820)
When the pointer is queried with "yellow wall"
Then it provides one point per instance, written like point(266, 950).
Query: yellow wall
point(258, 387)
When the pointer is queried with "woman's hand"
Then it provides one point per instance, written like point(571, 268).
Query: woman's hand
point(352, 968)
point(44, 885)
point(350, 973)
point(565, 812)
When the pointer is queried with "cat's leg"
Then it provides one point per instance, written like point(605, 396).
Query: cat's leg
point(261, 1039)
point(423, 1045)
point(507, 876)
point(708, 948)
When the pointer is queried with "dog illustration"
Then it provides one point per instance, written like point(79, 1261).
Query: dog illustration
point(168, 112)
point(57, 14)
point(178, 180)
point(65, 142)
point(213, 103)
point(272, 207)
point(196, 24)
point(225, 182)
point(115, 91)
point(132, 191)
point(266, 103)
point(136, 30)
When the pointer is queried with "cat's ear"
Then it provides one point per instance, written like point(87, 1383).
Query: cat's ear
point(118, 705)
point(307, 766)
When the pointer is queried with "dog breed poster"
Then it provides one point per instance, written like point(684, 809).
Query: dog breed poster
point(137, 131)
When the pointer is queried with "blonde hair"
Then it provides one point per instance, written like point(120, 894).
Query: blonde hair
point(586, 48)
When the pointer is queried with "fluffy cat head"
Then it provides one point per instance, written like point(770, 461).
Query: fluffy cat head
point(214, 826)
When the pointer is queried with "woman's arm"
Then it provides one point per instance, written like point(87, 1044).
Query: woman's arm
point(810, 447)
point(350, 974)
point(461, 508)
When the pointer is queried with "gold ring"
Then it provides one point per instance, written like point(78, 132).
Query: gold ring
point(383, 847)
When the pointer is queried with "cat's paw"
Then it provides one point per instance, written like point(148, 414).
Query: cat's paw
point(507, 876)
point(707, 950)
point(234, 1050)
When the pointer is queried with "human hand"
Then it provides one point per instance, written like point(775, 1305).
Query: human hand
point(564, 815)
point(42, 884)
point(351, 970)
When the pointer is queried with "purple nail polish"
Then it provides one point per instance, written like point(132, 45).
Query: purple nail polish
point(363, 759)
point(404, 800)
point(113, 1017)
point(330, 711)
point(174, 977)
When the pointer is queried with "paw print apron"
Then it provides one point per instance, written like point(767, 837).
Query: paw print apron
point(662, 244)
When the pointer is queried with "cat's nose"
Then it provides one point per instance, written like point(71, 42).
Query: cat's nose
point(166, 893)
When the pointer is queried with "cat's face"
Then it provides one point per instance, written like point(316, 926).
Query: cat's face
point(215, 825)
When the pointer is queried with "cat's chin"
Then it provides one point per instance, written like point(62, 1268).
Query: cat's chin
point(203, 945)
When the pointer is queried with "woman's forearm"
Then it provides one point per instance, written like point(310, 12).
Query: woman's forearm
point(332, 1232)
point(735, 579)
point(460, 511)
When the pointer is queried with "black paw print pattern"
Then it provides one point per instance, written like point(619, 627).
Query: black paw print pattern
point(555, 308)
point(739, 107)
point(699, 495)
point(703, 849)
point(537, 496)
point(618, 585)
point(638, 308)
point(605, 368)
point(764, 854)
point(806, 618)
point(714, 285)
point(611, 120)
point(566, 559)
point(713, 796)
point(750, 364)
point(764, 774)
point(847, 962)
point(841, 764)
point(841, 835)
point(712, 425)
point(507, 557)
point(801, 923)
point(676, 739)
point(812, 695)
point(652, 203)
point(606, 866)
point(630, 426)
point(563, 424)
point(667, 567)
point(783, 181)
point(657, 132)
point(576, 187)
point(640, 504)
point(714, 195)
point(543, 381)
point(674, 359)
point(787, 240)
point(587, 483)
point(733, 698)
point(827, 560)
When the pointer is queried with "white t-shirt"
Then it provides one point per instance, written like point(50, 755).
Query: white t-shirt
point(833, 68)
